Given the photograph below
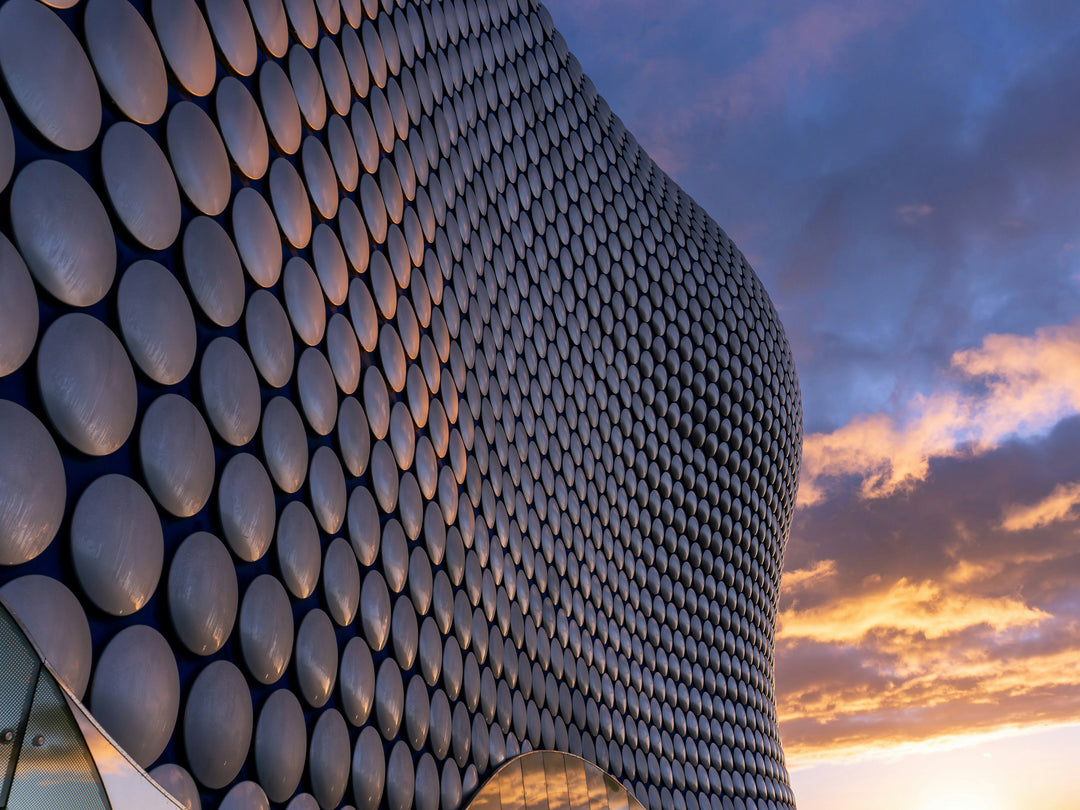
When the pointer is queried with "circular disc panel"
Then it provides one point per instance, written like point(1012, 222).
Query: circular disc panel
point(136, 692)
point(266, 629)
point(298, 549)
point(234, 34)
point(31, 506)
point(246, 507)
point(117, 546)
point(177, 455)
point(87, 385)
point(341, 582)
point(257, 238)
point(63, 232)
point(202, 593)
point(59, 95)
point(316, 657)
point(217, 724)
point(141, 185)
point(280, 745)
point(230, 390)
point(185, 39)
point(127, 59)
point(284, 444)
point(199, 158)
point(242, 126)
point(156, 322)
point(329, 758)
point(213, 271)
point(269, 338)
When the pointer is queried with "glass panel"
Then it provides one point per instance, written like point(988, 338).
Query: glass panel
point(511, 786)
point(555, 773)
point(532, 774)
point(617, 797)
point(597, 789)
point(18, 673)
point(577, 783)
point(551, 780)
point(55, 768)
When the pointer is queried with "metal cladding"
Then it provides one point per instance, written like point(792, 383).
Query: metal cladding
point(374, 410)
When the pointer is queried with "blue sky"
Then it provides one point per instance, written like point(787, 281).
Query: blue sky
point(905, 179)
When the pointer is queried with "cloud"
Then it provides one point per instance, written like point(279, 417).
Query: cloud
point(903, 608)
point(1011, 385)
point(801, 46)
point(918, 616)
point(797, 580)
point(910, 214)
point(1057, 506)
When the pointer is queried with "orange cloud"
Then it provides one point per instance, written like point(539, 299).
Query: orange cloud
point(808, 577)
point(1023, 386)
point(926, 609)
point(941, 699)
point(1061, 504)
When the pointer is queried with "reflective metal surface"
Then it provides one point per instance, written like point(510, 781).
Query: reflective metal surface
point(326, 482)
point(357, 681)
point(177, 455)
point(127, 59)
point(202, 593)
point(298, 549)
point(280, 745)
point(141, 185)
point(268, 336)
point(31, 506)
point(136, 692)
point(87, 384)
point(198, 158)
point(257, 239)
point(245, 796)
point(234, 33)
point(213, 271)
point(58, 95)
point(329, 758)
point(284, 444)
point(185, 41)
point(241, 121)
point(316, 657)
point(230, 390)
point(341, 582)
point(63, 232)
point(116, 544)
point(266, 629)
point(217, 724)
point(156, 322)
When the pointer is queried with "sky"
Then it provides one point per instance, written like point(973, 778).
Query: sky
point(904, 176)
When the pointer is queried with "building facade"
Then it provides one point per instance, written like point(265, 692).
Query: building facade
point(374, 411)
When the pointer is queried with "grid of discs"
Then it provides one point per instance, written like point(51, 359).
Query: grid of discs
point(373, 409)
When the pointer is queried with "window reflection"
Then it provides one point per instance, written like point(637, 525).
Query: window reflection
point(52, 753)
point(550, 780)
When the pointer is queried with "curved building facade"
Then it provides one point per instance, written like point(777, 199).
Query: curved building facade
point(374, 411)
